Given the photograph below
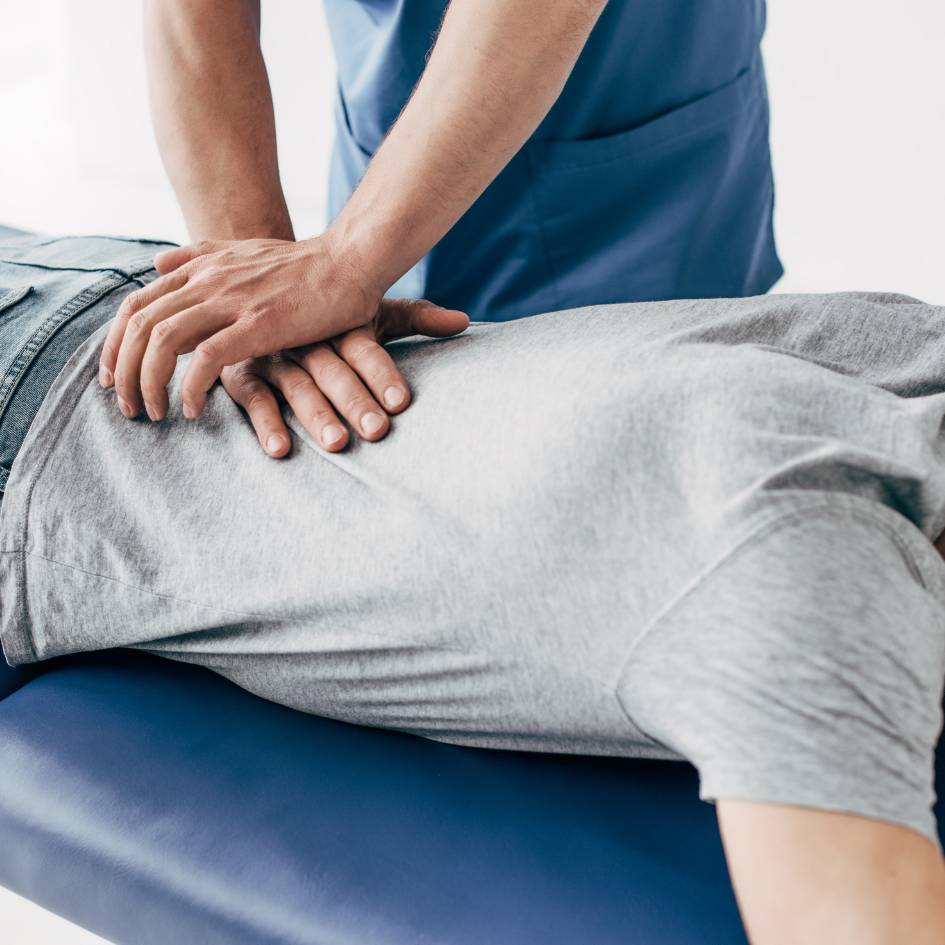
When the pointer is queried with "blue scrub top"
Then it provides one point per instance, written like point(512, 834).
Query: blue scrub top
point(650, 177)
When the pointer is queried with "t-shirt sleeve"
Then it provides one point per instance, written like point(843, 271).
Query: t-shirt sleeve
point(806, 666)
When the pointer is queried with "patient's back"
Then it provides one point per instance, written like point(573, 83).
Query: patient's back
point(719, 414)
point(636, 443)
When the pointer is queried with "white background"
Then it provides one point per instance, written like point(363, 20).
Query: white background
point(858, 136)
point(858, 130)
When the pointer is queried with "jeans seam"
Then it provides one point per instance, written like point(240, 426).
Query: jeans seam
point(34, 344)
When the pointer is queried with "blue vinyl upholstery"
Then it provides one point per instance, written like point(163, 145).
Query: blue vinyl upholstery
point(154, 802)
point(12, 677)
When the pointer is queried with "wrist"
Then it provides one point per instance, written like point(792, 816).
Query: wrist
point(275, 225)
point(342, 276)
point(353, 250)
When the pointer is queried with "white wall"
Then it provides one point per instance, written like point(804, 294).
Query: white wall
point(77, 154)
point(858, 135)
point(858, 101)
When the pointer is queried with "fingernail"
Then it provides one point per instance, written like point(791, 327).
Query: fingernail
point(394, 396)
point(152, 413)
point(332, 434)
point(189, 412)
point(104, 376)
point(125, 407)
point(274, 443)
point(372, 422)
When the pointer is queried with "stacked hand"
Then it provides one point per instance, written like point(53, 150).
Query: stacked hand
point(269, 318)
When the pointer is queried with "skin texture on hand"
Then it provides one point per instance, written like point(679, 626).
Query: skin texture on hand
point(198, 305)
point(350, 374)
point(213, 117)
point(225, 302)
point(475, 105)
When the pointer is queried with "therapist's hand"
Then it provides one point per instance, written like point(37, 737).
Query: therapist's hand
point(350, 375)
point(226, 302)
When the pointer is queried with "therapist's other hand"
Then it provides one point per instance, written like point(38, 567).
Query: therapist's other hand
point(227, 301)
point(351, 375)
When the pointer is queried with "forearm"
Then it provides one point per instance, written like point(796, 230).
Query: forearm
point(496, 69)
point(213, 117)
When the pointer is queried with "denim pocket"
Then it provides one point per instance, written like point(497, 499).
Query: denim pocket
point(9, 297)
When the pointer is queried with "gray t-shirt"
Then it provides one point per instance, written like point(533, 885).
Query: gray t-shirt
point(696, 528)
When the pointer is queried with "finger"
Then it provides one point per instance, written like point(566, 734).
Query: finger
point(338, 382)
point(308, 403)
point(135, 342)
point(256, 397)
point(401, 317)
point(230, 345)
point(375, 366)
point(108, 359)
point(169, 339)
point(170, 259)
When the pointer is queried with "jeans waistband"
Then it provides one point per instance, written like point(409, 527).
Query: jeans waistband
point(37, 342)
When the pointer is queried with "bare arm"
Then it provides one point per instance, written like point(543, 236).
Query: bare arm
point(213, 118)
point(496, 68)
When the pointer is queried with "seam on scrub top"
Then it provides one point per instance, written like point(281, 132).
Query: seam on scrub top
point(542, 236)
point(631, 153)
point(763, 528)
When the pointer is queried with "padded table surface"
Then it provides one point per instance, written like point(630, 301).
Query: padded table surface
point(155, 802)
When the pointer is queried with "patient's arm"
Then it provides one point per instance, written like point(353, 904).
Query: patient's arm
point(815, 877)
point(213, 117)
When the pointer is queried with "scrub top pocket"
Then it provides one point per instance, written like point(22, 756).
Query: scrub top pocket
point(677, 207)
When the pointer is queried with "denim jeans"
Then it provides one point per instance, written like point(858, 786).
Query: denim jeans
point(54, 292)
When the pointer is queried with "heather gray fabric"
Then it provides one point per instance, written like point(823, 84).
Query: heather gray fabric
point(691, 529)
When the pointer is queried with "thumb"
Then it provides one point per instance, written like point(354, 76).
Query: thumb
point(402, 317)
point(171, 259)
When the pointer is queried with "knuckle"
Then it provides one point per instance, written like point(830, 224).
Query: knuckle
point(361, 349)
point(296, 385)
point(255, 397)
point(138, 323)
point(207, 352)
point(162, 332)
point(244, 373)
point(358, 403)
point(330, 371)
point(133, 301)
point(323, 416)
point(251, 316)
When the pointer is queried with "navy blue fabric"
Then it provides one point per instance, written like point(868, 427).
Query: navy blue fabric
point(155, 802)
point(650, 177)
point(11, 678)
